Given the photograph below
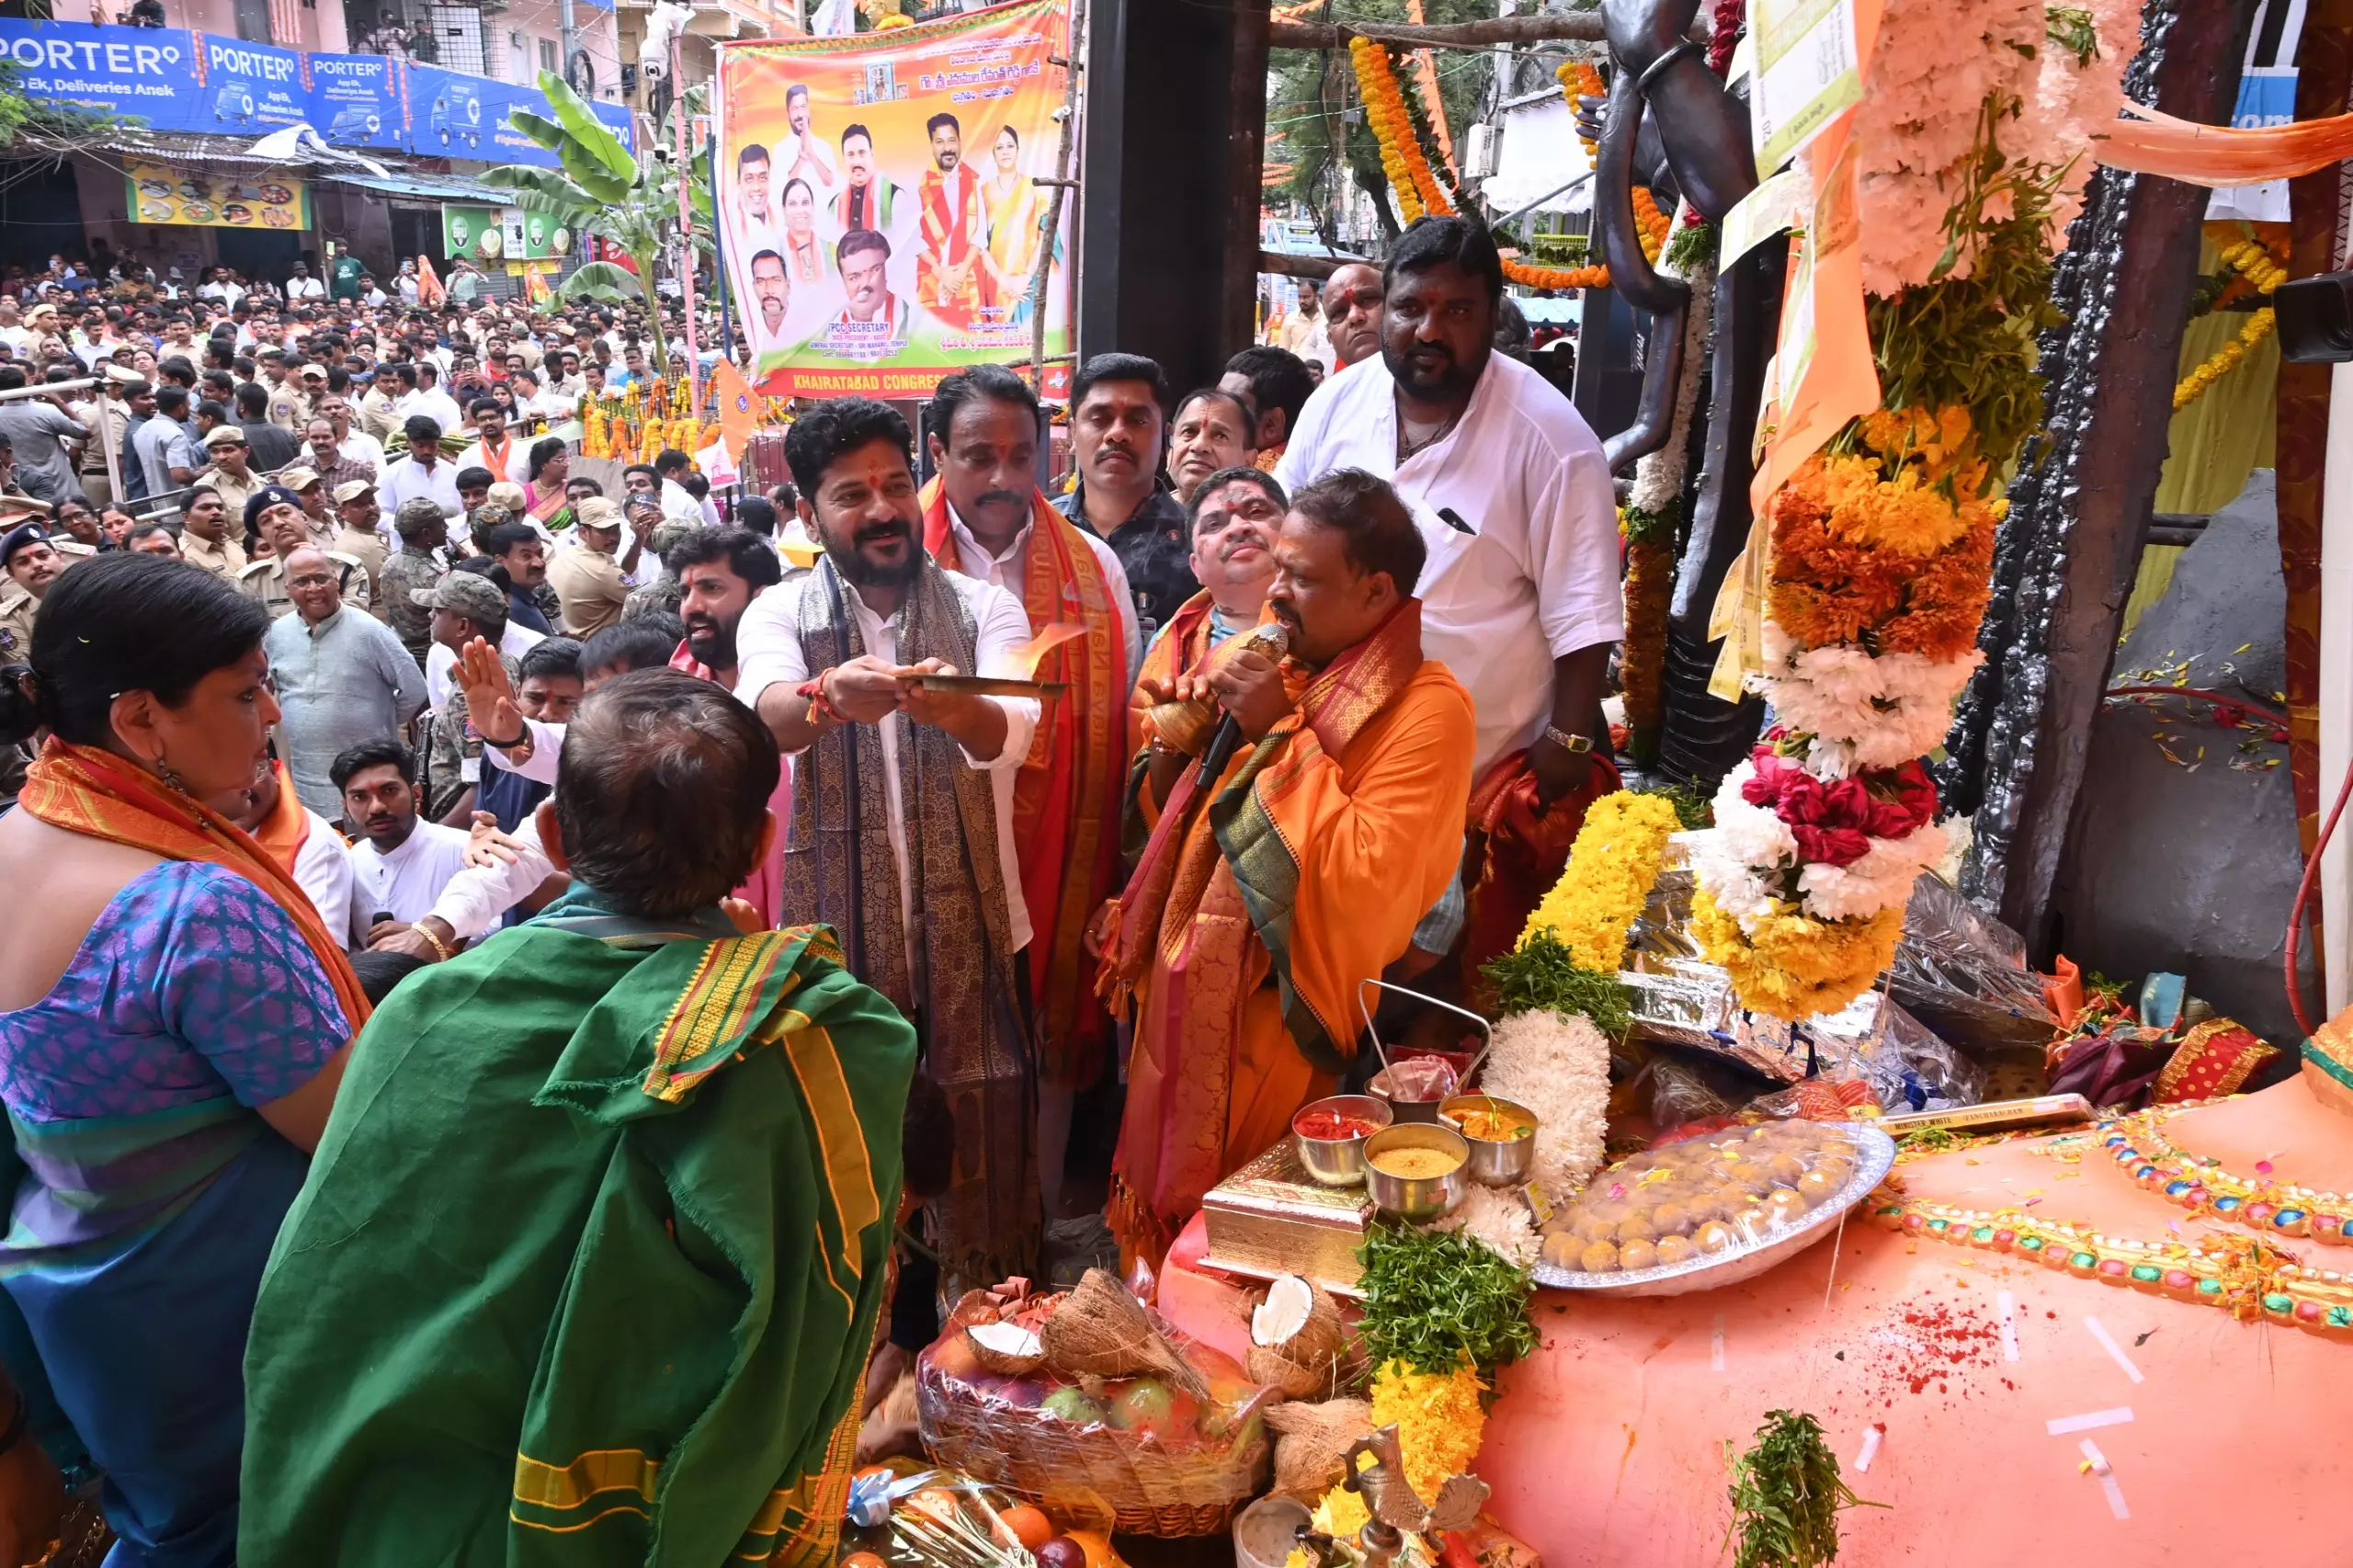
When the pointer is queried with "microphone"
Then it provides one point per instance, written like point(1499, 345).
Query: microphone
point(1270, 639)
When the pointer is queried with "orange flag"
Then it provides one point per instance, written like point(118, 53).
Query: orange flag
point(738, 407)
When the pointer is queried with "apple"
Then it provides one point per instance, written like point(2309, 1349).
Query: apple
point(1147, 1405)
point(1062, 1552)
point(1072, 1405)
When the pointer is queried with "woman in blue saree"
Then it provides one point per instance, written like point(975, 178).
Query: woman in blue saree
point(173, 1021)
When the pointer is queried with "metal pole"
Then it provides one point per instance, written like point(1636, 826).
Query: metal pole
point(1516, 217)
point(1073, 52)
point(106, 439)
point(718, 257)
point(570, 37)
point(686, 228)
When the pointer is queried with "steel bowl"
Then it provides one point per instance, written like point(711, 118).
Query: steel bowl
point(1404, 1109)
point(1418, 1199)
point(1338, 1162)
point(1494, 1161)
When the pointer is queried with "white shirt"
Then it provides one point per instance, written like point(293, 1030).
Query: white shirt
point(1011, 573)
point(477, 897)
point(408, 479)
point(1536, 578)
point(305, 289)
point(767, 644)
point(323, 870)
point(519, 458)
point(405, 882)
point(679, 506)
point(436, 406)
point(364, 449)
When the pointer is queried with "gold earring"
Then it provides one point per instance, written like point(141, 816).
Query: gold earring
point(170, 776)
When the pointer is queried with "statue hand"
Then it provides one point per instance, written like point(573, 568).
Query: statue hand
point(1639, 32)
point(1591, 108)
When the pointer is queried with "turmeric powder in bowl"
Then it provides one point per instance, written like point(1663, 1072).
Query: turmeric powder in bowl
point(1415, 1164)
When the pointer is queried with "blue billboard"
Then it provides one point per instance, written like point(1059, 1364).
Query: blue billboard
point(246, 88)
point(201, 83)
point(138, 72)
point(452, 115)
point(355, 101)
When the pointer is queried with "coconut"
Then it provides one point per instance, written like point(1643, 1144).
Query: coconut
point(1099, 1328)
point(1005, 1348)
point(1311, 1443)
point(1297, 1342)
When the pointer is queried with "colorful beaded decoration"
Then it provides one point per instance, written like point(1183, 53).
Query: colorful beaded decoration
point(2246, 1275)
point(2140, 1148)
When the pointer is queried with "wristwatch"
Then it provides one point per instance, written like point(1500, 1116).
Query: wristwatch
point(1575, 745)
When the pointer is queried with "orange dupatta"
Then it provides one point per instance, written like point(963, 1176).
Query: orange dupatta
point(88, 791)
point(287, 828)
point(1067, 796)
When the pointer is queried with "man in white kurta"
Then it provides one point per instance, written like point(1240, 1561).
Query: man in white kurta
point(1509, 487)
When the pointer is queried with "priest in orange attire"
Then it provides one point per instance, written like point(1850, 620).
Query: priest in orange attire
point(1310, 861)
point(985, 516)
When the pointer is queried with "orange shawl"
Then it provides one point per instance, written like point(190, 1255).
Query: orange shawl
point(1215, 1072)
point(288, 826)
point(86, 789)
point(1067, 796)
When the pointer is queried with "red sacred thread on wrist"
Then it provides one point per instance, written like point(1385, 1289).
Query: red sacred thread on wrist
point(814, 690)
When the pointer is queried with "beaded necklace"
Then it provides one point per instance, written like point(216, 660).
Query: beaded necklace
point(2246, 1275)
point(2140, 1148)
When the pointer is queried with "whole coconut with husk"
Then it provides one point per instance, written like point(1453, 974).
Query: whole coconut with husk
point(1312, 1442)
point(1100, 1329)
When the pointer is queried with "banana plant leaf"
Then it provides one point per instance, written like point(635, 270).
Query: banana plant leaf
point(593, 135)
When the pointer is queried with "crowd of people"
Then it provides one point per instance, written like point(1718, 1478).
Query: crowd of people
point(780, 972)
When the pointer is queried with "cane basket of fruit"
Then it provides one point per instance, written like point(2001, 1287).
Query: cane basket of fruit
point(1091, 1405)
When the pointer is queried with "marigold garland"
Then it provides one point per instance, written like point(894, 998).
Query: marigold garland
point(2225, 359)
point(1581, 79)
point(1650, 222)
point(1891, 544)
point(1611, 867)
point(1441, 1423)
point(2262, 274)
point(1792, 967)
point(1392, 127)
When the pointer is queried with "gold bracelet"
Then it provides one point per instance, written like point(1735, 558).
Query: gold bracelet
point(442, 951)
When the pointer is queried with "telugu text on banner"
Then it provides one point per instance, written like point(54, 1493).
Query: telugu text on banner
point(879, 206)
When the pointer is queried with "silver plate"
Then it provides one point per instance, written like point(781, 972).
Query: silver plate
point(1874, 1157)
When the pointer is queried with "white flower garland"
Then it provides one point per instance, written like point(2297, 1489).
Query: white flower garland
point(1658, 478)
point(1559, 1068)
point(1863, 711)
point(1498, 1219)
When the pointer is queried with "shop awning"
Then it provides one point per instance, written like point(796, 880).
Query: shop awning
point(425, 187)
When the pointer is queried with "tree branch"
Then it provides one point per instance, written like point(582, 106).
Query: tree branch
point(1583, 27)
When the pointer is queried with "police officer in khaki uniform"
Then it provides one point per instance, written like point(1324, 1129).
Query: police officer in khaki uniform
point(31, 563)
point(206, 523)
point(276, 518)
point(361, 535)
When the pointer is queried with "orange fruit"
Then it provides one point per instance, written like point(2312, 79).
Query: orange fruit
point(861, 1560)
point(1030, 1525)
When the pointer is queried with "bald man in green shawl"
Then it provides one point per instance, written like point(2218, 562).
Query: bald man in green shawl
point(588, 1265)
